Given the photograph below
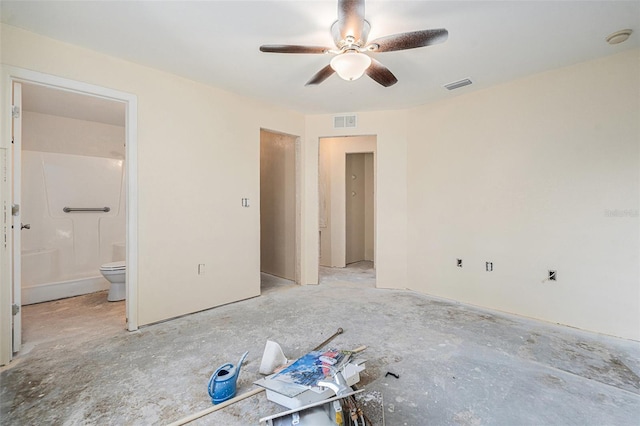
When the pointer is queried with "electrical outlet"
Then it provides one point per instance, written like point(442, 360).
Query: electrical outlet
point(459, 263)
point(200, 268)
point(553, 275)
point(489, 266)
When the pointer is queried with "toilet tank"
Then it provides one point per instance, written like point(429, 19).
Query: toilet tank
point(119, 252)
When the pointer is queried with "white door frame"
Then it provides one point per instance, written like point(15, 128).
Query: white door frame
point(16, 220)
point(13, 74)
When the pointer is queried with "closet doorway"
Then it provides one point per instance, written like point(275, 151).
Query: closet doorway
point(279, 205)
point(359, 207)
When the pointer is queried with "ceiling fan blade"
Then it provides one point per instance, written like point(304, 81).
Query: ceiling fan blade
point(351, 18)
point(381, 74)
point(290, 48)
point(409, 40)
point(321, 76)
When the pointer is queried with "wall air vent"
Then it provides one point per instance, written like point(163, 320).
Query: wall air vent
point(458, 84)
point(341, 121)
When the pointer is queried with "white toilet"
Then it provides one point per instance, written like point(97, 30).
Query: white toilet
point(115, 273)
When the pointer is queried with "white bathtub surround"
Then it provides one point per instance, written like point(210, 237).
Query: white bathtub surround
point(39, 265)
point(63, 252)
point(61, 289)
point(42, 279)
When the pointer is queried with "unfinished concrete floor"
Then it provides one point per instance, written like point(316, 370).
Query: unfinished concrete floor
point(457, 364)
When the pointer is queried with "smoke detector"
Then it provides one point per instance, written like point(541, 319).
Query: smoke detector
point(618, 36)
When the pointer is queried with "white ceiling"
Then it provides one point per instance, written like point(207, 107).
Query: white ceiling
point(47, 100)
point(216, 42)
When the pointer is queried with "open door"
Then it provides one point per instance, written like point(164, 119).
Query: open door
point(17, 226)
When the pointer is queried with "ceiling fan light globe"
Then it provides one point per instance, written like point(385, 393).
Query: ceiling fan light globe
point(350, 65)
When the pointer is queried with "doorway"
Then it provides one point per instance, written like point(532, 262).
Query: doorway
point(347, 198)
point(72, 190)
point(359, 207)
point(11, 292)
point(279, 208)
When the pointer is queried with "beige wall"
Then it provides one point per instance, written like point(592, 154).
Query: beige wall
point(198, 155)
point(541, 173)
point(277, 204)
point(389, 129)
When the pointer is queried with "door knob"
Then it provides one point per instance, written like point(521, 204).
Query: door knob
point(25, 226)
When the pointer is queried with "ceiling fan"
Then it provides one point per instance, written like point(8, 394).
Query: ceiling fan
point(351, 58)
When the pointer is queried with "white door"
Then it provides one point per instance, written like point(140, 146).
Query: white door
point(17, 224)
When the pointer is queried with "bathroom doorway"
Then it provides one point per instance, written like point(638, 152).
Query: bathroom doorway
point(279, 209)
point(56, 125)
point(73, 192)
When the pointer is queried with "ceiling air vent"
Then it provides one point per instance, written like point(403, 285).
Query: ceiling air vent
point(341, 121)
point(458, 84)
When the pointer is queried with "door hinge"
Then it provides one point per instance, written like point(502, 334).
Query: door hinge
point(15, 309)
point(15, 111)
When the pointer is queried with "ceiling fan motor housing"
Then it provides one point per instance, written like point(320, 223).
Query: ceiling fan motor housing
point(350, 40)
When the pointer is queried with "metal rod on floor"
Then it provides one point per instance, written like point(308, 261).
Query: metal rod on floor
point(333, 336)
point(216, 407)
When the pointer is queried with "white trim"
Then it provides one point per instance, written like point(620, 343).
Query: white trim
point(16, 230)
point(11, 74)
point(131, 163)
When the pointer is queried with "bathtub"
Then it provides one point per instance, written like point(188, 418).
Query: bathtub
point(42, 279)
point(39, 266)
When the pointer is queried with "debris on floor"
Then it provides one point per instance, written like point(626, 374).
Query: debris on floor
point(298, 384)
point(222, 384)
point(317, 387)
point(272, 358)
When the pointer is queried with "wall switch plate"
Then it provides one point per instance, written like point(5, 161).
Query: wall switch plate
point(200, 268)
point(553, 275)
point(459, 263)
point(489, 266)
point(245, 202)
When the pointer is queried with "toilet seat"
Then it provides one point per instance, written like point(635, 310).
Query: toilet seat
point(113, 266)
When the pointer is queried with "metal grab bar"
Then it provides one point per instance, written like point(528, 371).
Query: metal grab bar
point(86, 209)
